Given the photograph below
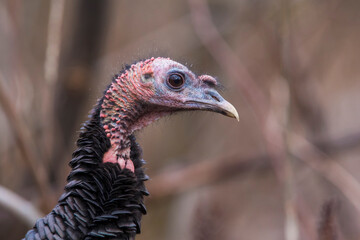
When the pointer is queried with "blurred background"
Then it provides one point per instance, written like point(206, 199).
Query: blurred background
point(288, 170)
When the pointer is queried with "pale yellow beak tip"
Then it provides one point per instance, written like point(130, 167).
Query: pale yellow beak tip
point(231, 111)
point(237, 116)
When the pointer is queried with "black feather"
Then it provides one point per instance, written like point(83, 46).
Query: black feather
point(101, 201)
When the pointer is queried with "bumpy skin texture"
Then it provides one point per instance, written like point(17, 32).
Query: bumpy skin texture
point(101, 201)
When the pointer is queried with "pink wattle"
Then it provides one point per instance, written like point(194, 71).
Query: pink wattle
point(110, 156)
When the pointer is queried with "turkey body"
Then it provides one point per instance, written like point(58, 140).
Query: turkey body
point(104, 194)
point(101, 201)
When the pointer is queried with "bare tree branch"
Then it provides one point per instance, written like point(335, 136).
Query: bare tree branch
point(51, 68)
point(327, 167)
point(207, 171)
point(199, 174)
point(53, 40)
point(26, 147)
point(19, 206)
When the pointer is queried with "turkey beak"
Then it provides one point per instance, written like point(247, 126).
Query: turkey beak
point(211, 100)
point(228, 109)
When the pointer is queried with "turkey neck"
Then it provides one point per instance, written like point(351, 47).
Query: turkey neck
point(124, 109)
point(120, 111)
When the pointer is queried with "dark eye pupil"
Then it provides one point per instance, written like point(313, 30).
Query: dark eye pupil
point(176, 80)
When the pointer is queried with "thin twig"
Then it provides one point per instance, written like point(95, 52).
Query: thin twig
point(280, 104)
point(19, 206)
point(174, 182)
point(327, 167)
point(25, 144)
point(207, 171)
point(51, 68)
point(53, 40)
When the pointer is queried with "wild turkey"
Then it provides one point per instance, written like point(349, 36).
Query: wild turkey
point(103, 198)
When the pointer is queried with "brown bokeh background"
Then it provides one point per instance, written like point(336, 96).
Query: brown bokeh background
point(288, 170)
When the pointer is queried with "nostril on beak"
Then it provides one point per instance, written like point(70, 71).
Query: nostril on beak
point(214, 96)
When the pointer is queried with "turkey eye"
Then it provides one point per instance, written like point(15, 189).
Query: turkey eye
point(176, 80)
